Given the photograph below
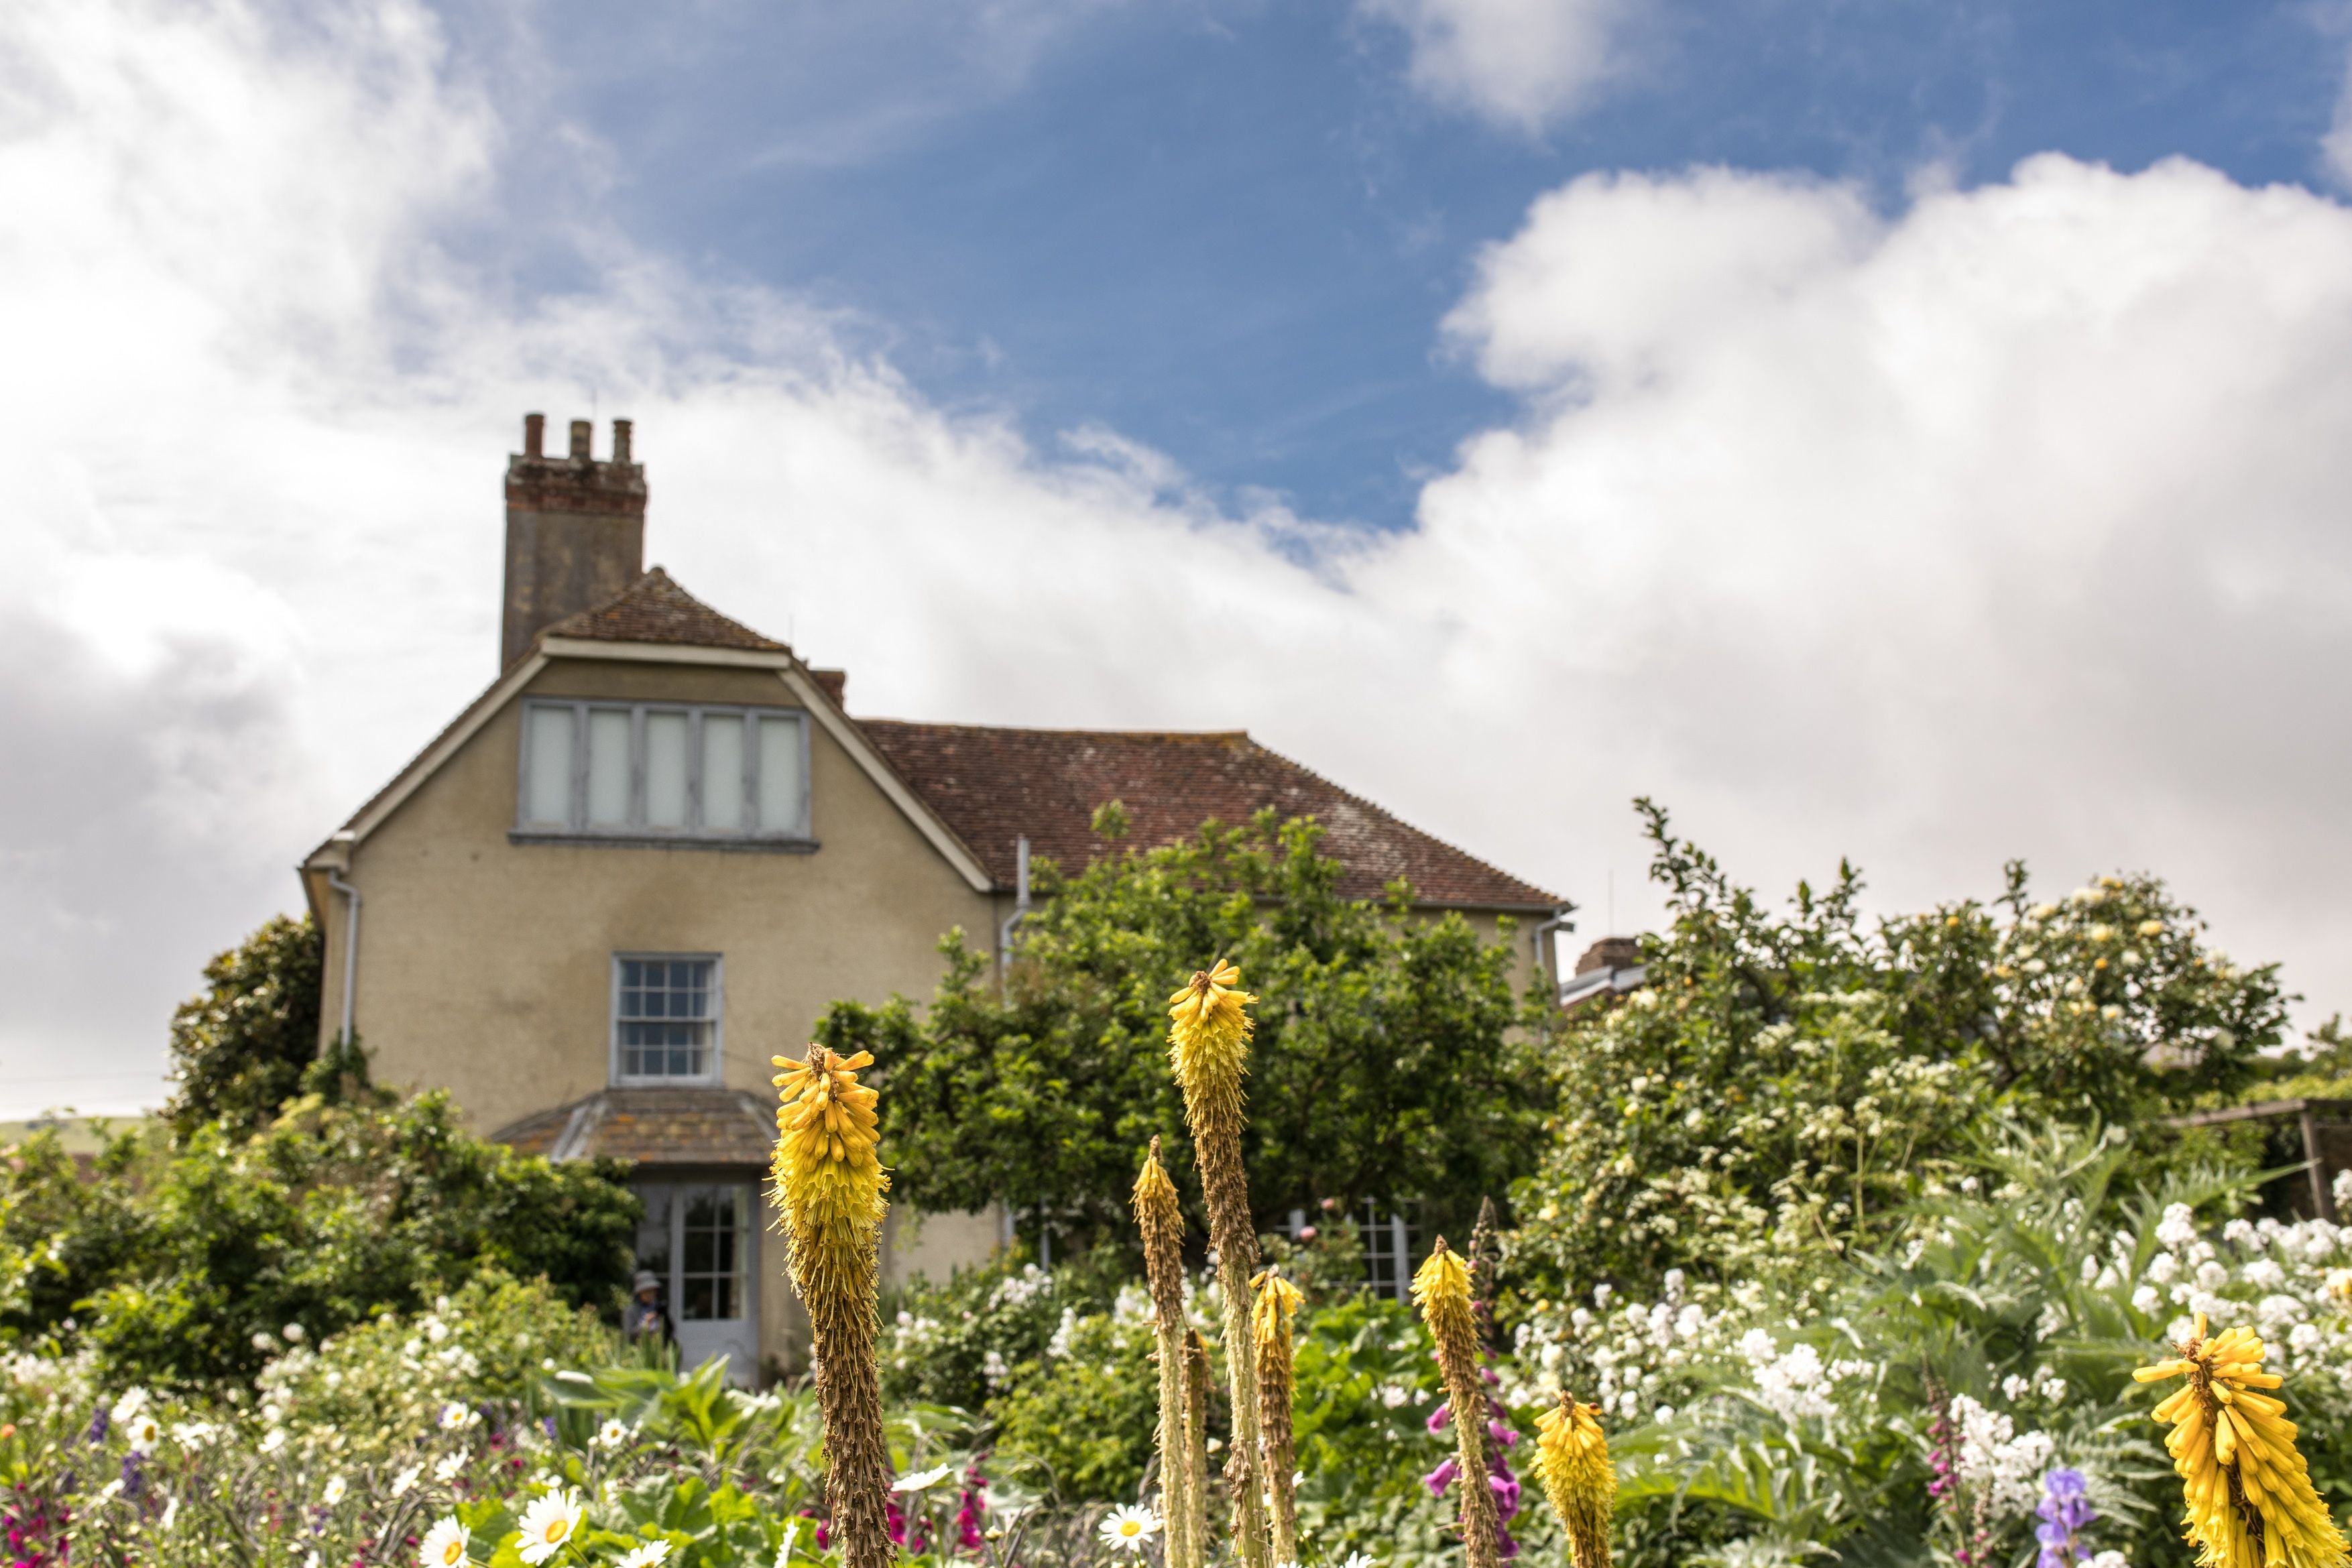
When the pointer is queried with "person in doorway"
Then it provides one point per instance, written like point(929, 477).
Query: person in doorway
point(645, 1318)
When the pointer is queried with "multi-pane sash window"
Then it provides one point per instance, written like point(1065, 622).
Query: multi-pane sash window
point(664, 1018)
point(656, 769)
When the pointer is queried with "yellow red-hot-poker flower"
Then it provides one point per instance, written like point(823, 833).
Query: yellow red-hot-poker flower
point(2248, 1492)
point(1572, 1456)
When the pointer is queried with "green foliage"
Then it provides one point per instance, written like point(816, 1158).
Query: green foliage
point(1804, 1418)
point(240, 1050)
point(953, 1343)
point(1087, 1411)
point(1788, 1081)
point(1386, 1061)
point(491, 1341)
point(171, 1257)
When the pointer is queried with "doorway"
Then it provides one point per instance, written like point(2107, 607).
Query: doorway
point(695, 1237)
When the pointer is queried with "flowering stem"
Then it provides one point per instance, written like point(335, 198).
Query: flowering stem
point(1158, 1215)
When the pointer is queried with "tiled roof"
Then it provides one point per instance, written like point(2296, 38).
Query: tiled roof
point(651, 1127)
point(992, 786)
point(654, 609)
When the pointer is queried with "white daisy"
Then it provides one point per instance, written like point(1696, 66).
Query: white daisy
point(1361, 1560)
point(336, 1488)
point(1127, 1528)
point(645, 1556)
point(133, 1401)
point(923, 1480)
point(312, 1560)
point(146, 1432)
point(612, 1435)
point(454, 1415)
point(405, 1479)
point(273, 1440)
point(444, 1545)
point(446, 1471)
point(171, 1513)
point(548, 1523)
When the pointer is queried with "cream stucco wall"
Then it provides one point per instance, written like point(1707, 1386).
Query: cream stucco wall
point(486, 966)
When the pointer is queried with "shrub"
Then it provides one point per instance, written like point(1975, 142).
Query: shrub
point(177, 1260)
point(1785, 1084)
point(1386, 1063)
point(239, 1049)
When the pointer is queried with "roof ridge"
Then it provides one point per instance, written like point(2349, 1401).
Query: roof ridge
point(1067, 729)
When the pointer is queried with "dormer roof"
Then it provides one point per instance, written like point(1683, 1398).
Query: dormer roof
point(655, 608)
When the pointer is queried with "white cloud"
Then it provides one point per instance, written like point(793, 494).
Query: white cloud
point(2008, 524)
point(2011, 525)
point(1518, 63)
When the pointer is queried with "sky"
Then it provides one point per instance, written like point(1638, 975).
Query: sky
point(1910, 434)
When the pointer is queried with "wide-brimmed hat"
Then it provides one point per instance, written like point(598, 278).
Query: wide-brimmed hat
point(648, 1280)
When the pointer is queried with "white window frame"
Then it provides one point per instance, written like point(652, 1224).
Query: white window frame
point(636, 829)
point(716, 1074)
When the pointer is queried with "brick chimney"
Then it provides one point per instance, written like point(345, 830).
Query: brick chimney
point(575, 531)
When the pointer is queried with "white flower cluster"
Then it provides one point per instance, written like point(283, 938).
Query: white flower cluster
point(1797, 1383)
point(1629, 1360)
point(1020, 1289)
point(1995, 1456)
point(2288, 1282)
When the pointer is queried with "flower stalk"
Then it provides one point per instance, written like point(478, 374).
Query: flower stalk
point(1572, 1455)
point(828, 1189)
point(1442, 1287)
point(1271, 1318)
point(1196, 1441)
point(1161, 1220)
point(1208, 1043)
point(2248, 1492)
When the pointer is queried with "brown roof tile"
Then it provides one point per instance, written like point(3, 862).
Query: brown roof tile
point(650, 1126)
point(994, 785)
point(655, 608)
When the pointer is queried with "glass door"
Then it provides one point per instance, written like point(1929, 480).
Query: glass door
point(696, 1239)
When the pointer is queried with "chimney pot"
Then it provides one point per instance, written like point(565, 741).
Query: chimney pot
point(534, 435)
point(575, 533)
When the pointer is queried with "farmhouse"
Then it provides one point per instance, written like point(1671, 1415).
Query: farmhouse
point(647, 858)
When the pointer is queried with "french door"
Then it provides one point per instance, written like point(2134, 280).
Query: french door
point(696, 1238)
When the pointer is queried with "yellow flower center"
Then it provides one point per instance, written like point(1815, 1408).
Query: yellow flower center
point(557, 1528)
point(1129, 1527)
point(451, 1553)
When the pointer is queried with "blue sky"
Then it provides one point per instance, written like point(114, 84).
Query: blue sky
point(1223, 229)
point(1911, 433)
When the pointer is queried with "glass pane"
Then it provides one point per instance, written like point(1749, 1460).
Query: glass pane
point(697, 1300)
point(608, 768)
point(653, 1231)
point(547, 764)
point(780, 776)
point(666, 770)
point(722, 775)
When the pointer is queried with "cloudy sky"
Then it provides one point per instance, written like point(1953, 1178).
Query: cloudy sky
point(1872, 432)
